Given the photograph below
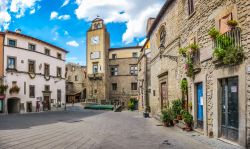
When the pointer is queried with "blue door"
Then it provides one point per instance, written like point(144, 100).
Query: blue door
point(199, 105)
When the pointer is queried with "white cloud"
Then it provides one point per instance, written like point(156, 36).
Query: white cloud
point(64, 17)
point(20, 6)
point(5, 17)
point(54, 15)
point(32, 11)
point(66, 2)
point(143, 42)
point(132, 12)
point(72, 43)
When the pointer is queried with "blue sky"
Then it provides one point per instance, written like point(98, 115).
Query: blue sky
point(65, 22)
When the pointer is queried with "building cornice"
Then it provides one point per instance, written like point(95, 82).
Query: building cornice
point(35, 52)
point(125, 48)
point(36, 39)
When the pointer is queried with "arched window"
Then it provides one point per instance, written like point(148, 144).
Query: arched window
point(162, 36)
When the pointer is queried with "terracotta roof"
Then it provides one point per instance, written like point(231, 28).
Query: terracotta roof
point(159, 16)
point(123, 48)
point(36, 39)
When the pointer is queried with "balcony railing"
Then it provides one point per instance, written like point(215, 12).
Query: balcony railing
point(230, 38)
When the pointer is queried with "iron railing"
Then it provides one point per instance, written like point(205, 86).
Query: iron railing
point(230, 38)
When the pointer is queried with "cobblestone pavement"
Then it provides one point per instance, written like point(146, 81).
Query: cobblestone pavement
point(87, 129)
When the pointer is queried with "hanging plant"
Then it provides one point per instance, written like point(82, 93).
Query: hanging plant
point(3, 89)
point(232, 23)
point(189, 67)
point(194, 47)
point(183, 51)
point(184, 85)
point(213, 33)
point(14, 89)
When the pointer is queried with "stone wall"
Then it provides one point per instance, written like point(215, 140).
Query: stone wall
point(181, 29)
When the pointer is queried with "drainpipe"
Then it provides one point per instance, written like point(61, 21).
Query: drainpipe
point(206, 107)
point(146, 83)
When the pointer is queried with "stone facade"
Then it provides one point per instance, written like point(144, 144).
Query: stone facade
point(144, 80)
point(123, 78)
point(98, 43)
point(76, 82)
point(168, 66)
point(101, 60)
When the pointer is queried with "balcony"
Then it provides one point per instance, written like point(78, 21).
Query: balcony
point(228, 48)
point(95, 76)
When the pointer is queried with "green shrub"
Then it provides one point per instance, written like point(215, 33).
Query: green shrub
point(233, 23)
point(176, 107)
point(194, 47)
point(184, 85)
point(213, 33)
point(219, 53)
point(167, 115)
point(131, 104)
point(233, 56)
point(188, 118)
point(183, 51)
point(190, 67)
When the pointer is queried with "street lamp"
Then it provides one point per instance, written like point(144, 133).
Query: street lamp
point(171, 57)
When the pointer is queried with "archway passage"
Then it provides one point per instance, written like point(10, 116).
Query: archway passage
point(13, 105)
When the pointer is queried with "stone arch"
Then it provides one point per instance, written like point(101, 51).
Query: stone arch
point(13, 105)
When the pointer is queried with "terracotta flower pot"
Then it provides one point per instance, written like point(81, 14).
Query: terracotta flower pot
point(179, 117)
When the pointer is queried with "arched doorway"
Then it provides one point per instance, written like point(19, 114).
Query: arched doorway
point(13, 105)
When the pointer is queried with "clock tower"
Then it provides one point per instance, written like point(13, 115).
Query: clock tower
point(98, 44)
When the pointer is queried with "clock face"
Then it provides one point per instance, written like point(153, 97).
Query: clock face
point(95, 40)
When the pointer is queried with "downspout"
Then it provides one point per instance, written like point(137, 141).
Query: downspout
point(146, 83)
point(206, 107)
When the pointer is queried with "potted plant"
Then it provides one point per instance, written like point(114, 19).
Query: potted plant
point(213, 33)
point(14, 89)
point(194, 47)
point(131, 104)
point(166, 117)
point(176, 108)
point(232, 23)
point(147, 111)
point(188, 119)
point(3, 89)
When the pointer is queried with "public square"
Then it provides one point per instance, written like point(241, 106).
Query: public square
point(88, 129)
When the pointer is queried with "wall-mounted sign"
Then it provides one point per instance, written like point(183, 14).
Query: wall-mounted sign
point(95, 55)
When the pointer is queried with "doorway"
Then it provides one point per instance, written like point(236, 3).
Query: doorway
point(199, 92)
point(164, 95)
point(229, 109)
point(13, 105)
point(29, 106)
point(46, 103)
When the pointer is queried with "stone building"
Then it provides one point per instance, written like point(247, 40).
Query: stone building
point(123, 73)
point(217, 90)
point(144, 72)
point(76, 80)
point(111, 72)
point(34, 72)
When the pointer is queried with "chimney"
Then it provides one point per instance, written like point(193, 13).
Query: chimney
point(18, 30)
point(149, 24)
